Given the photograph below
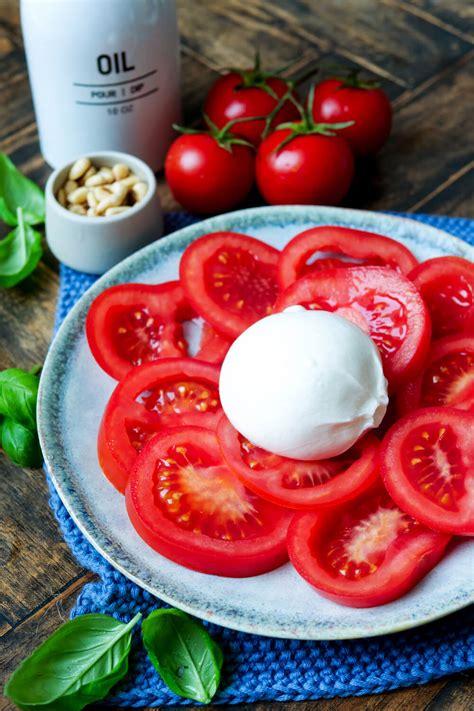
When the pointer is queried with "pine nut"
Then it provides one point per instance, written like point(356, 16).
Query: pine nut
point(89, 173)
point(130, 180)
point(61, 197)
point(78, 196)
point(107, 172)
point(101, 193)
point(79, 168)
point(116, 210)
point(99, 178)
point(91, 199)
point(70, 186)
point(113, 200)
point(91, 212)
point(78, 209)
point(139, 191)
point(120, 170)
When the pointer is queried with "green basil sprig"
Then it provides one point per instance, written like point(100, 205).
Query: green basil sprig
point(16, 190)
point(20, 252)
point(76, 666)
point(183, 653)
point(18, 434)
point(18, 395)
point(20, 444)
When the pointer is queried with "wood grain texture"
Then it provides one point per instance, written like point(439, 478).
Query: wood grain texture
point(36, 628)
point(375, 33)
point(420, 48)
point(457, 16)
point(433, 139)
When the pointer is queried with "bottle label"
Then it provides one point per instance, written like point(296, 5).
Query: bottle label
point(118, 84)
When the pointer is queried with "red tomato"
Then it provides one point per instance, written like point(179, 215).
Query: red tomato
point(297, 484)
point(186, 504)
point(310, 169)
point(233, 97)
point(427, 464)
point(369, 108)
point(206, 177)
point(212, 346)
point(447, 286)
point(363, 247)
point(365, 553)
point(131, 324)
point(379, 300)
point(168, 393)
point(230, 279)
point(448, 379)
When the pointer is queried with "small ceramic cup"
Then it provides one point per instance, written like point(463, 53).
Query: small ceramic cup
point(94, 244)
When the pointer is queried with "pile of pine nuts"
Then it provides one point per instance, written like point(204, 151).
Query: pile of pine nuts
point(102, 191)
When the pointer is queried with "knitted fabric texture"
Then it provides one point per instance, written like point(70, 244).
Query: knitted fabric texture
point(258, 668)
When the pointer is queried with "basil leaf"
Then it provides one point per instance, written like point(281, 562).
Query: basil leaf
point(20, 252)
point(20, 444)
point(76, 666)
point(16, 191)
point(183, 653)
point(18, 395)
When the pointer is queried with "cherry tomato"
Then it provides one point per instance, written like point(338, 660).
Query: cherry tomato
point(346, 246)
point(447, 286)
point(168, 393)
point(369, 108)
point(448, 378)
point(230, 279)
point(365, 553)
point(186, 504)
point(131, 324)
point(297, 484)
point(312, 169)
point(427, 464)
point(206, 177)
point(238, 95)
point(382, 302)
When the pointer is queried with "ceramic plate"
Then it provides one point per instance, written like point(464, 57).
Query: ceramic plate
point(73, 394)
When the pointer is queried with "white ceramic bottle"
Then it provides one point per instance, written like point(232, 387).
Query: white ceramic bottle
point(104, 76)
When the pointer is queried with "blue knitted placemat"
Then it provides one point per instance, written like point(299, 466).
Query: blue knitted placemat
point(257, 668)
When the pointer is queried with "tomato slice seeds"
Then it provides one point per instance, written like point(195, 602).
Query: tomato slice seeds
point(365, 553)
point(299, 484)
point(230, 279)
point(170, 392)
point(186, 504)
point(448, 379)
point(132, 324)
point(427, 464)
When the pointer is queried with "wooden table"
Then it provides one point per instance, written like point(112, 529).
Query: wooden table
point(421, 50)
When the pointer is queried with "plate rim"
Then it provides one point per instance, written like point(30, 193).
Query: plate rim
point(57, 477)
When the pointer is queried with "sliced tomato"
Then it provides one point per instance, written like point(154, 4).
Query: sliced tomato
point(448, 379)
point(213, 346)
point(131, 324)
point(382, 302)
point(230, 279)
point(365, 553)
point(346, 247)
point(427, 464)
point(297, 484)
point(170, 392)
point(447, 286)
point(185, 503)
